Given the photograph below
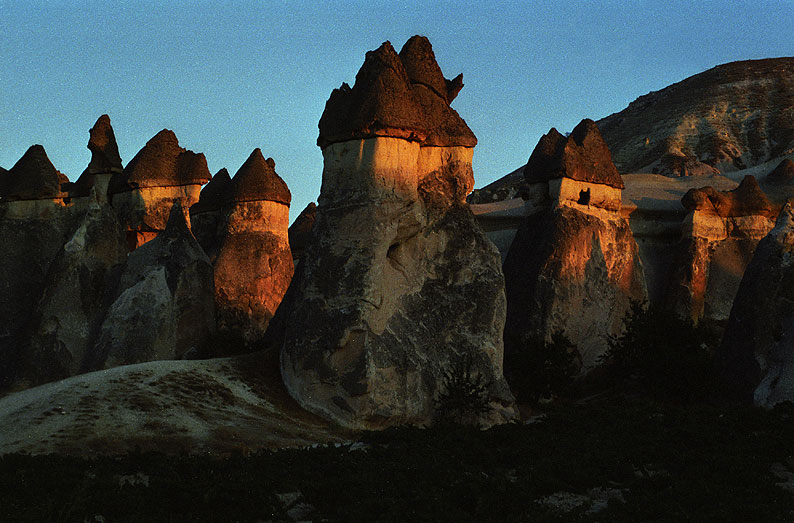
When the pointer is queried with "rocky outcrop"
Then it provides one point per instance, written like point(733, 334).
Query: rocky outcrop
point(163, 305)
point(253, 267)
point(730, 117)
point(34, 224)
point(757, 352)
point(161, 173)
point(105, 162)
point(206, 216)
point(782, 174)
point(573, 266)
point(300, 232)
point(719, 236)
point(398, 283)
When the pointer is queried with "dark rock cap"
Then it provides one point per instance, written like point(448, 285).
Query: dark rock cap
point(783, 173)
point(747, 199)
point(213, 194)
point(256, 180)
point(402, 96)
point(33, 177)
point(162, 163)
point(104, 156)
point(583, 156)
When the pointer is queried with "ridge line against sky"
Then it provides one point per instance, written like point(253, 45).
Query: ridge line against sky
point(228, 78)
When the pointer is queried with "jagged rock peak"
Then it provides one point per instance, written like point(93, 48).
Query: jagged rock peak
point(301, 230)
point(104, 150)
point(162, 163)
point(783, 173)
point(583, 156)
point(33, 177)
point(747, 199)
point(256, 180)
point(390, 98)
point(177, 222)
point(214, 193)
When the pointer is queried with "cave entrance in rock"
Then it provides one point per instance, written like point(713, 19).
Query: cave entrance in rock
point(584, 197)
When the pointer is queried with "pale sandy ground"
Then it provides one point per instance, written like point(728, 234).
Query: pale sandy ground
point(202, 406)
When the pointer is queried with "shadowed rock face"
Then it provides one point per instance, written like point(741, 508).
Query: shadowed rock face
point(33, 177)
point(756, 352)
point(163, 305)
point(253, 266)
point(105, 159)
point(719, 236)
point(402, 96)
point(398, 282)
point(206, 215)
point(300, 232)
point(583, 156)
point(783, 173)
point(574, 266)
point(730, 117)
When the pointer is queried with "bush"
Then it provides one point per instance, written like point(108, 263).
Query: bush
point(464, 394)
point(537, 369)
point(668, 356)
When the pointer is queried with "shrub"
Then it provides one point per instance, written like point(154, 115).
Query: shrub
point(537, 369)
point(668, 356)
point(464, 393)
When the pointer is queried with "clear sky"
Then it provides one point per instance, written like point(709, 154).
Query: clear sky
point(227, 77)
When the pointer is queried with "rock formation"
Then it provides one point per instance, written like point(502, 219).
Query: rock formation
point(300, 232)
point(34, 224)
point(719, 236)
point(730, 117)
point(398, 283)
point(783, 173)
point(105, 162)
point(161, 173)
point(573, 266)
point(757, 352)
point(206, 215)
point(253, 267)
point(163, 305)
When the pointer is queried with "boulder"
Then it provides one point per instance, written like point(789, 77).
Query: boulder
point(161, 173)
point(719, 236)
point(757, 352)
point(163, 305)
point(574, 266)
point(398, 284)
point(253, 267)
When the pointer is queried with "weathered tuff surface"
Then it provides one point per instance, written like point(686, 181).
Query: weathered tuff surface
point(33, 177)
point(253, 267)
point(757, 352)
point(164, 304)
point(161, 173)
point(105, 161)
point(573, 267)
point(75, 297)
point(206, 215)
point(398, 281)
point(728, 118)
point(300, 232)
point(719, 236)
point(219, 406)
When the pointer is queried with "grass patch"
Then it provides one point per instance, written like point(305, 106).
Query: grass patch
point(669, 462)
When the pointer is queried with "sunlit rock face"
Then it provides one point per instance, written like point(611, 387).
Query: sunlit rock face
point(161, 173)
point(34, 224)
point(253, 266)
point(728, 118)
point(573, 266)
point(757, 352)
point(163, 306)
point(719, 236)
point(398, 281)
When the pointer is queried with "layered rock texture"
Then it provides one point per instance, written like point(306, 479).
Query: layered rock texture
point(728, 118)
point(757, 352)
point(398, 283)
point(161, 173)
point(253, 266)
point(574, 265)
point(719, 236)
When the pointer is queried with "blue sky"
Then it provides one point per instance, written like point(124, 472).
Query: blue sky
point(227, 77)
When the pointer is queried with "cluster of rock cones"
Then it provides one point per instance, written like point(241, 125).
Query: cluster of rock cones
point(396, 283)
